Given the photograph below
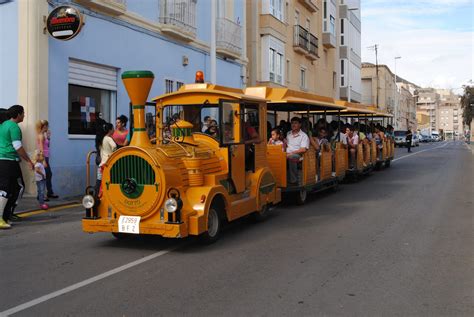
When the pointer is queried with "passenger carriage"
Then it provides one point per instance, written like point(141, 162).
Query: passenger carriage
point(317, 170)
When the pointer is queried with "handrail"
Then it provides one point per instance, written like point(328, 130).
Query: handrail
point(88, 167)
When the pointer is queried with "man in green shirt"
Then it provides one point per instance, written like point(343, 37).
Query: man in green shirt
point(11, 151)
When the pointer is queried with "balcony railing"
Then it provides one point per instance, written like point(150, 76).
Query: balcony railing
point(179, 17)
point(229, 38)
point(305, 42)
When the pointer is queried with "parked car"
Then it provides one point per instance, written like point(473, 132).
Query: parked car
point(424, 138)
point(415, 140)
point(400, 138)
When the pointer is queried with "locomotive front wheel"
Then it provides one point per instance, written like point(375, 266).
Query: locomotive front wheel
point(214, 224)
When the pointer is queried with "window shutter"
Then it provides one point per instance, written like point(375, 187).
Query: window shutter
point(92, 75)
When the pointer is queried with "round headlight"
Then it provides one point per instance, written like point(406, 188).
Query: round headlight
point(88, 201)
point(171, 205)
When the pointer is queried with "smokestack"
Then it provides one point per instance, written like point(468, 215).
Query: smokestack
point(138, 84)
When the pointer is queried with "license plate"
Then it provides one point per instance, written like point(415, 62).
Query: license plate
point(129, 224)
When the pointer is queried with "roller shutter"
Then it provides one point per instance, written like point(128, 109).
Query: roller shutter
point(92, 75)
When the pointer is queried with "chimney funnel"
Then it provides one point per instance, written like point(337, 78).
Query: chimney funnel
point(138, 84)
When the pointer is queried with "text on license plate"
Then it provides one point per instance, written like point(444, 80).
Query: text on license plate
point(129, 224)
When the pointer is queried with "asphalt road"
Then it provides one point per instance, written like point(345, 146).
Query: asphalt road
point(398, 243)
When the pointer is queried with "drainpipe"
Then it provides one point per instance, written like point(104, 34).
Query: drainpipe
point(213, 40)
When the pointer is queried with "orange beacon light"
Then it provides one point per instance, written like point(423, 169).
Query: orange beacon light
point(199, 77)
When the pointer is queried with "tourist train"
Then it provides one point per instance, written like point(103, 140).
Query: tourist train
point(175, 181)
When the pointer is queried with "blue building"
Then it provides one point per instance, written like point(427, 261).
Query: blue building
point(71, 83)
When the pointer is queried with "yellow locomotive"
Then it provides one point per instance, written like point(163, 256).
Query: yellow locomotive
point(189, 183)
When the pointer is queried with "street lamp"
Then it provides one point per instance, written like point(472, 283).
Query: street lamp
point(396, 110)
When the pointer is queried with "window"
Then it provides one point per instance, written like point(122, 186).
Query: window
point(91, 96)
point(332, 22)
point(276, 9)
point(87, 107)
point(303, 78)
point(325, 9)
point(276, 66)
point(169, 86)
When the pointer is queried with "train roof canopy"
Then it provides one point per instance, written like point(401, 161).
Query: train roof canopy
point(284, 99)
point(192, 94)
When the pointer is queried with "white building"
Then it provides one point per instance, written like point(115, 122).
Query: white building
point(349, 37)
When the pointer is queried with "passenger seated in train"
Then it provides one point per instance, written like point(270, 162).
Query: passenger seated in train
point(276, 138)
point(338, 135)
point(213, 130)
point(320, 139)
point(353, 142)
point(297, 145)
point(284, 127)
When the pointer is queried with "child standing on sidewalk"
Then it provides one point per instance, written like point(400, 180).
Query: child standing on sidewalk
point(40, 177)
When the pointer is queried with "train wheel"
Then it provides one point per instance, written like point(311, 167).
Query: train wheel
point(214, 224)
point(260, 215)
point(301, 196)
point(387, 164)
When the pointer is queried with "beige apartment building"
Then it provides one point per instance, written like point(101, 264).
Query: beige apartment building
point(287, 47)
point(406, 109)
point(427, 107)
point(378, 90)
point(449, 114)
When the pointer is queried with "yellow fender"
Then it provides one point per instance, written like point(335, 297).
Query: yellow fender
point(197, 223)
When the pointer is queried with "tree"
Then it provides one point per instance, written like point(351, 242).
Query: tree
point(467, 104)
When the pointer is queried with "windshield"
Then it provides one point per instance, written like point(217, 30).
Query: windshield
point(400, 133)
point(204, 118)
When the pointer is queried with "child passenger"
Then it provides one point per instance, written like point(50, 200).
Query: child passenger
point(40, 177)
point(277, 139)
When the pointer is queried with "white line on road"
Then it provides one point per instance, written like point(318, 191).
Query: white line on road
point(433, 148)
point(91, 280)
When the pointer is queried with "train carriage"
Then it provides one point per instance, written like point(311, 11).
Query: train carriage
point(317, 170)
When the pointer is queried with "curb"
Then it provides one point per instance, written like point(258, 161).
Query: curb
point(64, 204)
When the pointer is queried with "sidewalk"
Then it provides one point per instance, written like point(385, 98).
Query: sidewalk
point(29, 203)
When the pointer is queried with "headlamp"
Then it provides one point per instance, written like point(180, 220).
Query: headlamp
point(171, 205)
point(88, 201)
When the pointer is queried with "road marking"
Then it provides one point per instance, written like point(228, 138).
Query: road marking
point(76, 286)
point(41, 211)
point(433, 148)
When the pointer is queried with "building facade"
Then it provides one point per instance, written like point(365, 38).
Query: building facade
point(349, 37)
point(72, 83)
point(285, 47)
point(427, 110)
point(450, 114)
point(379, 90)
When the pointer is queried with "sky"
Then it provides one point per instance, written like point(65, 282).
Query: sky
point(434, 39)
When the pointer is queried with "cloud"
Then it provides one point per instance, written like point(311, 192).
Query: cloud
point(435, 52)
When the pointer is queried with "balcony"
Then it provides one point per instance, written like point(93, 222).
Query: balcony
point(329, 40)
point(228, 38)
point(178, 18)
point(111, 7)
point(311, 5)
point(305, 43)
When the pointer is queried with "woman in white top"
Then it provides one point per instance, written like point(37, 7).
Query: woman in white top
point(108, 145)
point(105, 146)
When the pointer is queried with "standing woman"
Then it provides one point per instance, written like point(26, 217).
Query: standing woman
point(121, 132)
point(105, 145)
point(42, 143)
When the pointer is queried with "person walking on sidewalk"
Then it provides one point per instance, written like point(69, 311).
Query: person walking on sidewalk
point(40, 178)
point(11, 150)
point(408, 138)
point(42, 142)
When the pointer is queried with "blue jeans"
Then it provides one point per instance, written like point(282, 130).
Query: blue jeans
point(41, 187)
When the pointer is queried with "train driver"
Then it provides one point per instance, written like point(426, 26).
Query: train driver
point(297, 145)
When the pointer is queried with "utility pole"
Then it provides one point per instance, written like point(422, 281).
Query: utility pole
point(375, 48)
point(213, 41)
